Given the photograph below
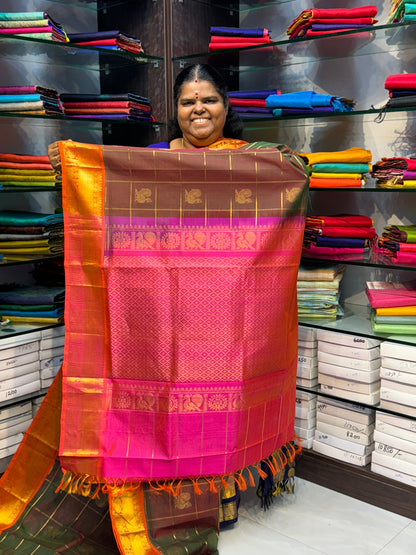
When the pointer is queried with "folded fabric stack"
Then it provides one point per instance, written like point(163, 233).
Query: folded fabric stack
point(252, 104)
point(395, 173)
point(307, 103)
point(402, 90)
point(318, 291)
point(32, 304)
point(37, 25)
point(29, 234)
point(109, 40)
point(344, 237)
point(393, 306)
point(30, 99)
point(234, 37)
point(316, 22)
point(344, 168)
point(402, 11)
point(26, 170)
point(121, 106)
point(399, 243)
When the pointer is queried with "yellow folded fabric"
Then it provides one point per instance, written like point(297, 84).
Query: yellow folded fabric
point(16, 177)
point(396, 311)
point(351, 155)
point(327, 175)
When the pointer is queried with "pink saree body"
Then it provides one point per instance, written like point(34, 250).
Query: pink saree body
point(181, 312)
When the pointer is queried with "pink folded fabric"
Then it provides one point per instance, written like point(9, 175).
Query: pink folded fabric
point(21, 30)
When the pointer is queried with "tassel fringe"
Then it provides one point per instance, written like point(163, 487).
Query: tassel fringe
point(276, 473)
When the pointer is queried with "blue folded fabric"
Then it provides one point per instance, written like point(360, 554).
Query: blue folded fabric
point(346, 242)
point(307, 99)
point(237, 32)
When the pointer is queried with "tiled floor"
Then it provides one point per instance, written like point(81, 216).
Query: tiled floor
point(316, 520)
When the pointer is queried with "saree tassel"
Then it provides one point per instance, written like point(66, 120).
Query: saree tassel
point(177, 488)
point(197, 489)
point(224, 482)
point(212, 487)
point(250, 478)
point(65, 481)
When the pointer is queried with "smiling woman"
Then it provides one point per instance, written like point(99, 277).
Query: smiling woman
point(203, 116)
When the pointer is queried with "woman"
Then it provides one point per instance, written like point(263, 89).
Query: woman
point(179, 282)
point(203, 117)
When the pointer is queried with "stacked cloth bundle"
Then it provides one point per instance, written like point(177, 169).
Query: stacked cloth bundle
point(307, 103)
point(109, 40)
point(318, 291)
point(399, 243)
point(316, 22)
point(402, 90)
point(344, 237)
point(395, 173)
point(342, 168)
point(24, 235)
point(402, 11)
point(37, 25)
point(26, 170)
point(30, 100)
point(32, 304)
point(252, 103)
point(119, 106)
point(234, 37)
point(393, 306)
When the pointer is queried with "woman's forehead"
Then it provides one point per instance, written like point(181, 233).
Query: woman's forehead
point(199, 88)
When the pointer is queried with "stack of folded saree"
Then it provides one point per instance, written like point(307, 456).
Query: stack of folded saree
point(252, 104)
point(393, 307)
point(29, 234)
point(399, 243)
point(234, 37)
point(109, 40)
point(343, 168)
point(318, 291)
point(26, 170)
point(402, 90)
point(30, 100)
point(120, 106)
point(402, 11)
point(37, 25)
point(395, 173)
point(316, 22)
point(33, 303)
point(341, 237)
point(307, 103)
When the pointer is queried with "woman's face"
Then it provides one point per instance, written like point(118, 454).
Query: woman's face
point(201, 113)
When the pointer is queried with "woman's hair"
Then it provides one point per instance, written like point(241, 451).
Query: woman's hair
point(233, 127)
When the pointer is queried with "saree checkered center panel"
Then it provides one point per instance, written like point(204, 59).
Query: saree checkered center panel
point(181, 314)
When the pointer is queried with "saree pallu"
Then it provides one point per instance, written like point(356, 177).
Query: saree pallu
point(176, 378)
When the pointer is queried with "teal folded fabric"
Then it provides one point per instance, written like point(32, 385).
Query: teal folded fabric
point(20, 97)
point(18, 218)
point(12, 16)
point(393, 329)
point(341, 168)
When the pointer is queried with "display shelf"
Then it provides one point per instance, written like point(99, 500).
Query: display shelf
point(30, 189)
point(91, 5)
point(317, 391)
point(242, 7)
point(372, 260)
point(21, 329)
point(390, 38)
point(83, 121)
point(355, 321)
point(67, 54)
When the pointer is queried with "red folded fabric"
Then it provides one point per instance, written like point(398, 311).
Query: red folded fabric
point(25, 166)
point(334, 13)
point(212, 47)
point(254, 40)
point(400, 81)
point(340, 221)
point(108, 104)
point(257, 102)
point(333, 231)
point(101, 42)
point(319, 182)
point(4, 156)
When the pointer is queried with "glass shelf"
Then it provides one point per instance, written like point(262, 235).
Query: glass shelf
point(316, 390)
point(66, 54)
point(81, 121)
point(93, 5)
point(21, 329)
point(355, 321)
point(27, 259)
point(371, 260)
point(30, 189)
point(388, 38)
point(243, 7)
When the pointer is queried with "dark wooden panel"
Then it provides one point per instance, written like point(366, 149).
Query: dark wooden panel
point(359, 483)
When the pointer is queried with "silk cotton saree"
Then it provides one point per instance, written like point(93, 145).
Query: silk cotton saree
point(179, 373)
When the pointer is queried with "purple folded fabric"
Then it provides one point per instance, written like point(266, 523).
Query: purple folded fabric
point(110, 116)
point(409, 175)
point(237, 32)
point(252, 115)
point(18, 90)
point(335, 27)
point(253, 109)
point(305, 111)
point(252, 94)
